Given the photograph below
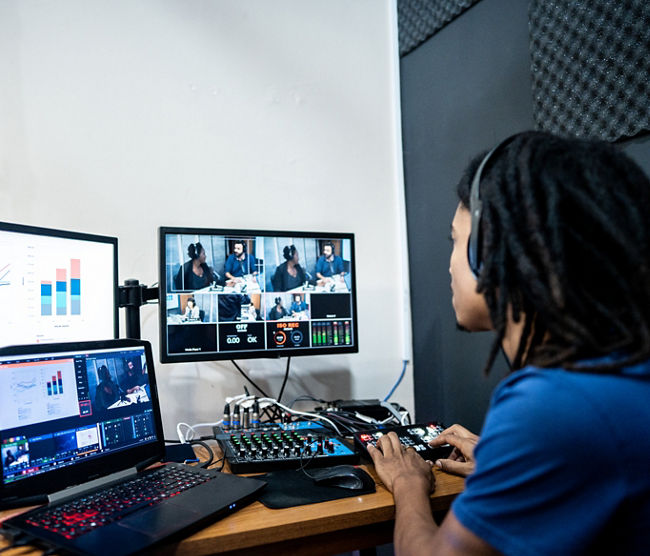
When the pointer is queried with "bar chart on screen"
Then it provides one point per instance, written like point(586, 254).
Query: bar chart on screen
point(38, 392)
point(53, 291)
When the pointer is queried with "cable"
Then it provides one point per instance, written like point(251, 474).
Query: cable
point(304, 413)
point(401, 376)
point(284, 382)
point(249, 379)
point(392, 410)
point(183, 438)
point(210, 459)
point(306, 397)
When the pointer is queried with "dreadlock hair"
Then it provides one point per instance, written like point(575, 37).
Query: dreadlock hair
point(566, 247)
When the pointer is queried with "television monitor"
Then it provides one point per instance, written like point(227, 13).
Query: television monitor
point(234, 294)
point(56, 286)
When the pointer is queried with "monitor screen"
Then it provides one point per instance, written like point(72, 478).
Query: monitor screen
point(56, 286)
point(69, 406)
point(231, 294)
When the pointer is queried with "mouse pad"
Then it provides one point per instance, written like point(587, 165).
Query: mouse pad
point(291, 487)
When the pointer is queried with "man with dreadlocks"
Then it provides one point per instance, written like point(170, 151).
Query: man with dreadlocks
point(551, 250)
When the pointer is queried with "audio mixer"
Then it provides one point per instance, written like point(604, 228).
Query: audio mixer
point(414, 436)
point(268, 447)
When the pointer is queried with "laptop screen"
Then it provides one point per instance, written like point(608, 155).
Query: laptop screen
point(62, 409)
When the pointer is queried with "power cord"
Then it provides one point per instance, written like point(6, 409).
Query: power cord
point(249, 379)
point(284, 382)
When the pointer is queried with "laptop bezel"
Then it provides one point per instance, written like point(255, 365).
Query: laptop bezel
point(94, 468)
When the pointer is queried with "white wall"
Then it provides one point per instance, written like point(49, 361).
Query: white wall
point(119, 116)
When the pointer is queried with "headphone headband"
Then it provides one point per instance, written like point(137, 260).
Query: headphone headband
point(476, 211)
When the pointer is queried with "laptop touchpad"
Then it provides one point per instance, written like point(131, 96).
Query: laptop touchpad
point(160, 520)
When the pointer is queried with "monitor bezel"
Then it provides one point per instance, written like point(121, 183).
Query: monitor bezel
point(84, 471)
point(81, 236)
point(163, 231)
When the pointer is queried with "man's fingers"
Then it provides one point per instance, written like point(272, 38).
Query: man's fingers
point(389, 444)
point(374, 453)
point(458, 468)
point(465, 445)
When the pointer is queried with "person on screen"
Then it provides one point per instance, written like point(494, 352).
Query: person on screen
point(253, 312)
point(297, 305)
point(192, 312)
point(239, 262)
point(329, 265)
point(230, 306)
point(132, 379)
point(195, 274)
point(9, 458)
point(277, 311)
point(106, 392)
point(289, 274)
point(560, 271)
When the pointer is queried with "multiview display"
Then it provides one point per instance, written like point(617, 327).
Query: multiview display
point(228, 294)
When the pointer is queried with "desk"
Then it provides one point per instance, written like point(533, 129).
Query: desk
point(245, 285)
point(316, 529)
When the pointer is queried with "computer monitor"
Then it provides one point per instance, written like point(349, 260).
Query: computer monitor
point(56, 286)
point(233, 294)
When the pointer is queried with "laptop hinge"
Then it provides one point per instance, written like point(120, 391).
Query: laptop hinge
point(146, 463)
point(76, 490)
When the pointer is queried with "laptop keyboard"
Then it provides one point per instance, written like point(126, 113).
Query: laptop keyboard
point(86, 513)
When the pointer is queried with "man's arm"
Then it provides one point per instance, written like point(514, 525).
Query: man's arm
point(229, 267)
point(410, 479)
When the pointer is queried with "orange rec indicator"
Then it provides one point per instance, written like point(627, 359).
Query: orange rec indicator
point(287, 325)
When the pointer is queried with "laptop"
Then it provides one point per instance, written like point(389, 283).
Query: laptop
point(80, 428)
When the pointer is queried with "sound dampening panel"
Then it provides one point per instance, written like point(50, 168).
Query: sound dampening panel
point(420, 19)
point(590, 64)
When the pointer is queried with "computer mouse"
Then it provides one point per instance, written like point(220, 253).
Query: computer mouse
point(343, 476)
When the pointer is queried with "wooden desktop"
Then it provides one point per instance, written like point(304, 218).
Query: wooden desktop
point(332, 527)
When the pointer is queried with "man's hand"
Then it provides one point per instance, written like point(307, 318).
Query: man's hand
point(396, 464)
point(461, 459)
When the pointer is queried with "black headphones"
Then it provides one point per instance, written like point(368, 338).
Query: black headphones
point(289, 251)
point(476, 210)
point(325, 245)
point(194, 250)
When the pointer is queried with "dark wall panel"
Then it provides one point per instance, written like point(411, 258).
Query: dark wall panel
point(464, 89)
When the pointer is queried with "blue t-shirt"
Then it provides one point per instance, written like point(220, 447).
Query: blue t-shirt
point(563, 465)
point(329, 268)
point(238, 268)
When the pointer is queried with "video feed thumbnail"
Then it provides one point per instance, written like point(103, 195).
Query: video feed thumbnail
point(287, 306)
point(15, 454)
point(116, 381)
point(207, 262)
point(239, 307)
point(307, 264)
